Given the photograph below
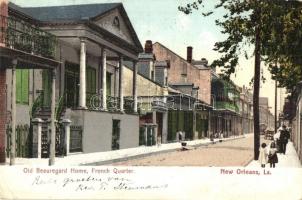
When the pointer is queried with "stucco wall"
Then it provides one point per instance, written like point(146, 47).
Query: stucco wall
point(97, 129)
point(179, 66)
point(145, 87)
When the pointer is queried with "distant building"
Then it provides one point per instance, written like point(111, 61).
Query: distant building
point(266, 117)
point(194, 82)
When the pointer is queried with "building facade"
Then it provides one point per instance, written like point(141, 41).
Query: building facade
point(225, 118)
point(93, 43)
point(191, 114)
point(292, 113)
point(267, 120)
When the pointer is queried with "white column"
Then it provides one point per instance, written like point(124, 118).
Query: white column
point(104, 83)
point(13, 96)
point(37, 138)
point(134, 88)
point(165, 127)
point(146, 135)
point(82, 95)
point(52, 120)
point(66, 123)
point(121, 93)
point(155, 125)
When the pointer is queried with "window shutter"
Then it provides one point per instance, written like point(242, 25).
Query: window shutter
point(25, 85)
point(18, 85)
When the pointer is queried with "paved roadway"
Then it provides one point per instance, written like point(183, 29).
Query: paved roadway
point(237, 152)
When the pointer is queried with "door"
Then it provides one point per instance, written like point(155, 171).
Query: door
point(115, 134)
point(159, 122)
point(72, 79)
point(108, 84)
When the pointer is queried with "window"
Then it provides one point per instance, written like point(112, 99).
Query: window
point(108, 83)
point(90, 83)
point(22, 86)
point(116, 22)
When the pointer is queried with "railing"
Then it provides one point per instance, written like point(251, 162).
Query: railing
point(158, 104)
point(23, 141)
point(226, 105)
point(20, 35)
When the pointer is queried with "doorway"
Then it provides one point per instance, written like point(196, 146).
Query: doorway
point(72, 79)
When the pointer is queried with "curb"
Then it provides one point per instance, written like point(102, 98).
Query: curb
point(105, 162)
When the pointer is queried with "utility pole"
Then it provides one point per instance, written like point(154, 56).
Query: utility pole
point(276, 106)
point(257, 85)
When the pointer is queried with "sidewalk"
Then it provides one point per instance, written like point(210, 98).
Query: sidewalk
point(290, 159)
point(101, 158)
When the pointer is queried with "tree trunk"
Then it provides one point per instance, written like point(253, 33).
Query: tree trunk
point(256, 93)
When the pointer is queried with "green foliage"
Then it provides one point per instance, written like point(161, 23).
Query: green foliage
point(280, 24)
point(37, 104)
point(60, 108)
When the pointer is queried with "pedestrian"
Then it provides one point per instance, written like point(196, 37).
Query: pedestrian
point(272, 156)
point(220, 136)
point(212, 138)
point(284, 137)
point(277, 140)
point(263, 155)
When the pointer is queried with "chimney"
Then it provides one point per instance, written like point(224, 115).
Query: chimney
point(189, 54)
point(148, 47)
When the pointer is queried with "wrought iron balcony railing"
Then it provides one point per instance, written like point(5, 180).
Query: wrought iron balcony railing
point(21, 35)
point(159, 104)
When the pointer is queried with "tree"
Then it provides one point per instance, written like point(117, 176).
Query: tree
point(258, 23)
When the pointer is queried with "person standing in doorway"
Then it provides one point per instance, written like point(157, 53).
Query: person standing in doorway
point(284, 137)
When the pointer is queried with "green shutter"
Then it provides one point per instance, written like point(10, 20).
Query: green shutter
point(22, 86)
point(90, 83)
point(25, 84)
point(18, 85)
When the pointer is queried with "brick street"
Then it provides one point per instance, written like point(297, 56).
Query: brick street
point(228, 153)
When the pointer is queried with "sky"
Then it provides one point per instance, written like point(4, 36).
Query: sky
point(160, 21)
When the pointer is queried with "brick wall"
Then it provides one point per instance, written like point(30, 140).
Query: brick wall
point(2, 114)
point(179, 66)
point(3, 22)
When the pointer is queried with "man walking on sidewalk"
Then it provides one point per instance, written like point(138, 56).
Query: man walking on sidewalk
point(284, 137)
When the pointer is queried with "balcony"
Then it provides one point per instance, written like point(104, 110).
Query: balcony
point(23, 36)
point(94, 102)
point(226, 105)
point(159, 105)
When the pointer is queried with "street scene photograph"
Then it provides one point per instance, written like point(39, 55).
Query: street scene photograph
point(101, 97)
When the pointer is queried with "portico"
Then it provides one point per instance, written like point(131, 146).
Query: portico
point(96, 42)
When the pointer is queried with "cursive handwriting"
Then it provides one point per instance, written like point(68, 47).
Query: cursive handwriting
point(91, 183)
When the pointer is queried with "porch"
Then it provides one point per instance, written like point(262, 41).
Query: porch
point(23, 45)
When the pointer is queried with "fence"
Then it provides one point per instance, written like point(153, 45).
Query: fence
point(76, 144)
point(23, 141)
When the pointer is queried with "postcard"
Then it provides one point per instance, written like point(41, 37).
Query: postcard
point(141, 99)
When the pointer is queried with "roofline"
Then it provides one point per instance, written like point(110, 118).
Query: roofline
point(120, 6)
point(177, 55)
point(22, 14)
